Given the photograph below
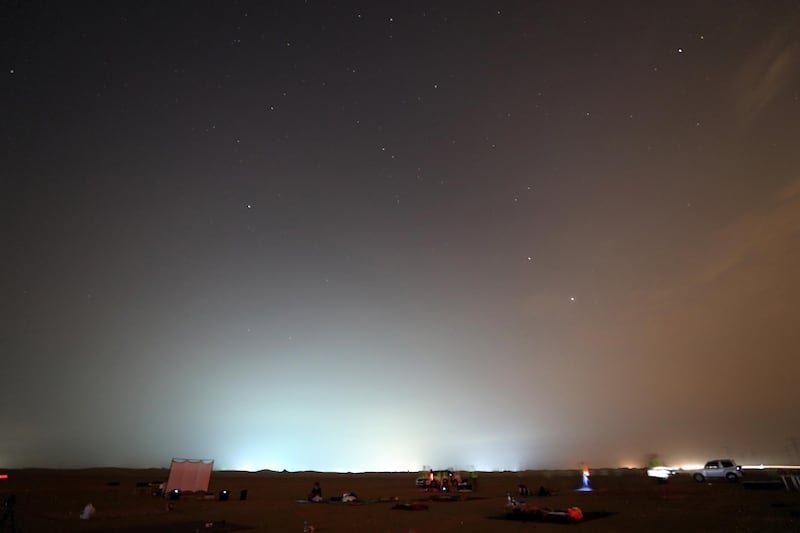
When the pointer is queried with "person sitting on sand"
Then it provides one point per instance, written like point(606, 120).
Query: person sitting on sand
point(316, 493)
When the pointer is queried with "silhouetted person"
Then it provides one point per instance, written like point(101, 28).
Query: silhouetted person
point(523, 490)
point(316, 493)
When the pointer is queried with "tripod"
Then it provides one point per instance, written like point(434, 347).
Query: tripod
point(7, 513)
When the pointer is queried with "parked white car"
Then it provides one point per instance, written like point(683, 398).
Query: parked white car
point(719, 469)
point(662, 473)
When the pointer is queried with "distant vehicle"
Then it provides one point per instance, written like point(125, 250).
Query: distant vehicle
point(661, 473)
point(719, 469)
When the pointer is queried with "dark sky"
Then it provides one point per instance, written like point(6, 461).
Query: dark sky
point(351, 236)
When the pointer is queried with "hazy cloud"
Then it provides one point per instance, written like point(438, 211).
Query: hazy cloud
point(759, 239)
point(766, 71)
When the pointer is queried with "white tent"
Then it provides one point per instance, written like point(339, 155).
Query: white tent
point(189, 475)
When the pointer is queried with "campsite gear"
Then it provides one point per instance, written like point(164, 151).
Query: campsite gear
point(575, 514)
point(88, 512)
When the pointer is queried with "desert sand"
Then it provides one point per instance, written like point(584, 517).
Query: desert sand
point(621, 500)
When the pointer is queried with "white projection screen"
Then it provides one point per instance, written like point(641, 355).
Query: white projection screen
point(189, 475)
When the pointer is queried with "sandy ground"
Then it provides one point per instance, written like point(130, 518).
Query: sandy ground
point(621, 500)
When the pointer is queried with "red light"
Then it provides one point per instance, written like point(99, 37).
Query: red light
point(3, 476)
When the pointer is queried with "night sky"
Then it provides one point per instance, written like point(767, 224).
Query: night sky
point(376, 236)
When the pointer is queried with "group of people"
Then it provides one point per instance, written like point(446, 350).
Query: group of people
point(316, 495)
point(447, 481)
point(523, 491)
point(520, 509)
